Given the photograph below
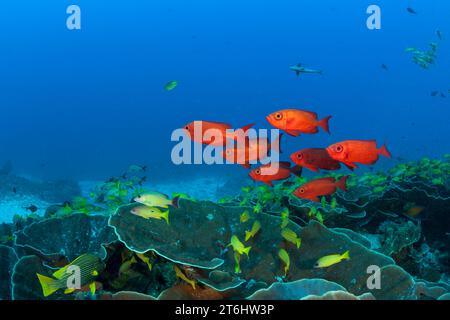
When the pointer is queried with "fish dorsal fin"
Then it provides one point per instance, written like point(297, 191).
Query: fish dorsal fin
point(313, 114)
point(330, 179)
point(61, 272)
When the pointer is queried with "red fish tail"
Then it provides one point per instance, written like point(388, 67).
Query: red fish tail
point(297, 170)
point(384, 151)
point(324, 124)
point(342, 183)
point(176, 202)
point(247, 127)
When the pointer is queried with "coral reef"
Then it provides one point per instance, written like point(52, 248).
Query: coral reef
point(8, 258)
point(69, 236)
point(396, 221)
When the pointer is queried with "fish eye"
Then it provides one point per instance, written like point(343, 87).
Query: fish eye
point(339, 148)
point(300, 156)
point(187, 128)
point(302, 190)
point(278, 116)
point(258, 171)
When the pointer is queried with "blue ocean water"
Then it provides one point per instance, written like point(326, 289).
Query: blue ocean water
point(85, 104)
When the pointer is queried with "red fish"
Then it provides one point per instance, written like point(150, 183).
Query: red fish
point(295, 122)
point(255, 149)
point(314, 189)
point(315, 159)
point(219, 129)
point(357, 151)
point(274, 172)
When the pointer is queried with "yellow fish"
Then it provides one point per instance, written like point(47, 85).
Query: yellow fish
point(245, 216)
point(183, 277)
point(237, 260)
point(284, 256)
point(255, 228)
point(150, 213)
point(238, 246)
point(146, 260)
point(126, 266)
point(156, 199)
point(330, 260)
point(284, 218)
point(291, 236)
point(89, 267)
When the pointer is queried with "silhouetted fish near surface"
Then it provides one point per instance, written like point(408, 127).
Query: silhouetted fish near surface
point(439, 34)
point(14, 190)
point(443, 95)
point(434, 93)
point(384, 67)
point(411, 10)
point(31, 208)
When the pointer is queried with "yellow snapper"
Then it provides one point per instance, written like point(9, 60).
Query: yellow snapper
point(284, 256)
point(90, 267)
point(126, 266)
point(237, 265)
point(255, 228)
point(284, 218)
point(238, 246)
point(150, 213)
point(333, 259)
point(146, 260)
point(183, 277)
point(156, 199)
point(291, 236)
point(245, 216)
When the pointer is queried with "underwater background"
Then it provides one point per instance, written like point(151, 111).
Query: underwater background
point(81, 108)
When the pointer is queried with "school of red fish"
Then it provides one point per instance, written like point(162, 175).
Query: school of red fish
point(293, 122)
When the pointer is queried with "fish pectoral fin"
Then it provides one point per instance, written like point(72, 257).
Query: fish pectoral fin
point(59, 273)
point(293, 133)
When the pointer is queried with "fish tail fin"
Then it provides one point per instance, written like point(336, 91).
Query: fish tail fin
point(297, 170)
point(133, 259)
point(247, 127)
point(384, 151)
point(346, 255)
point(47, 284)
point(247, 250)
point(298, 242)
point(342, 183)
point(165, 216)
point(176, 202)
point(324, 124)
point(248, 235)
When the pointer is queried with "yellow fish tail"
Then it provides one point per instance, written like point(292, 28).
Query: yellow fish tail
point(346, 255)
point(246, 250)
point(298, 242)
point(248, 235)
point(165, 216)
point(48, 285)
